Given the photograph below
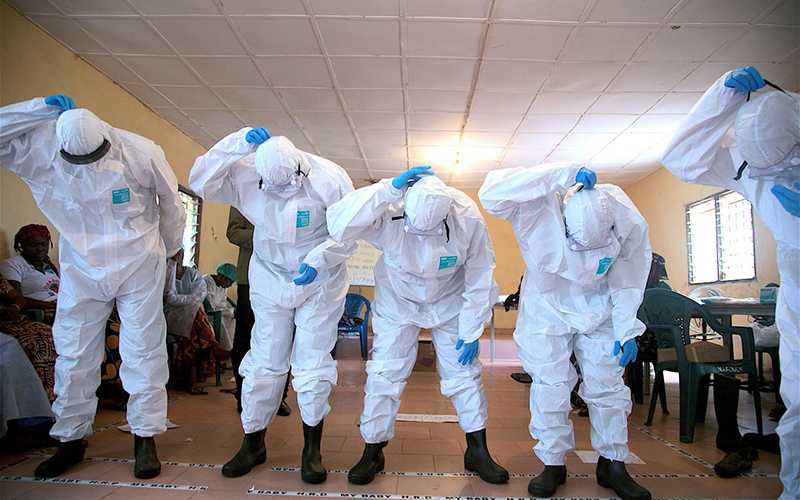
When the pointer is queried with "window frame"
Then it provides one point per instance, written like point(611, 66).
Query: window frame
point(716, 197)
point(189, 192)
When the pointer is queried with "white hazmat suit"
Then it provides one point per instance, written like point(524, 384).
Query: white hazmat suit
point(435, 272)
point(580, 294)
point(118, 218)
point(702, 151)
point(290, 229)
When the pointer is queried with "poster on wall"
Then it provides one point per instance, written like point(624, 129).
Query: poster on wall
point(361, 264)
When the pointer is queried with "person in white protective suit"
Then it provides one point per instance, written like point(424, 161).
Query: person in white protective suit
point(114, 200)
point(285, 193)
point(217, 285)
point(587, 258)
point(727, 127)
point(435, 272)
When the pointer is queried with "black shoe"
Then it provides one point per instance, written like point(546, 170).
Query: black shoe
point(521, 377)
point(312, 470)
point(67, 455)
point(768, 442)
point(612, 474)
point(252, 453)
point(147, 464)
point(371, 463)
point(284, 410)
point(548, 481)
point(478, 460)
point(736, 463)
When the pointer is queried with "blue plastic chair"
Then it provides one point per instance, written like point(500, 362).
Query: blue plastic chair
point(353, 321)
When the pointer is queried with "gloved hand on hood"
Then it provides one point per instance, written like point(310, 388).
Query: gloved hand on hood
point(257, 135)
point(427, 203)
point(746, 79)
point(410, 176)
point(64, 102)
point(586, 177)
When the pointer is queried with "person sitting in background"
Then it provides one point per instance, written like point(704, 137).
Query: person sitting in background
point(184, 294)
point(32, 272)
point(217, 286)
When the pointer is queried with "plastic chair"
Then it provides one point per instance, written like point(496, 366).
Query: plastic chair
point(353, 321)
point(668, 315)
point(215, 318)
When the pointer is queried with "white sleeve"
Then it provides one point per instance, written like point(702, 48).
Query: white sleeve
point(211, 176)
point(28, 141)
point(480, 289)
point(172, 216)
point(331, 252)
point(359, 215)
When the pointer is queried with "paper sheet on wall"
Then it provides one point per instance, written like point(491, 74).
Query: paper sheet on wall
point(361, 265)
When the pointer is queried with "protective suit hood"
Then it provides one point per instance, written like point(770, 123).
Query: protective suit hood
point(588, 219)
point(81, 134)
point(281, 165)
point(767, 130)
point(427, 203)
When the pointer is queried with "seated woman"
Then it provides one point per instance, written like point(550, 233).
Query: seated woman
point(184, 293)
point(32, 272)
point(36, 339)
point(217, 286)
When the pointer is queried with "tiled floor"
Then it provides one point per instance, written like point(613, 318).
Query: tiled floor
point(210, 434)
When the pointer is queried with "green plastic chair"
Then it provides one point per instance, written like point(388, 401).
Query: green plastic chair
point(668, 315)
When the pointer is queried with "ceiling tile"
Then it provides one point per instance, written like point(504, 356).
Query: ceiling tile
point(125, 35)
point(603, 43)
point(604, 123)
point(487, 139)
point(448, 8)
point(443, 38)
point(787, 13)
point(375, 36)
point(295, 71)
point(175, 117)
point(355, 7)
point(676, 102)
point(501, 102)
point(277, 36)
point(545, 10)
point(36, 6)
point(384, 121)
point(111, 67)
point(625, 10)
point(341, 135)
point(526, 41)
point(377, 137)
point(624, 148)
point(563, 102)
point(591, 143)
point(437, 100)
point(199, 35)
point(93, 7)
point(445, 74)
point(226, 70)
point(785, 75)
point(513, 75)
point(569, 155)
point(337, 150)
point(276, 120)
point(248, 97)
point(704, 75)
point(173, 7)
point(549, 123)
point(297, 138)
point(377, 153)
point(516, 157)
point(433, 138)
point(582, 77)
point(161, 70)
point(146, 95)
point(493, 121)
point(217, 122)
point(323, 119)
point(537, 141)
point(652, 123)
point(373, 100)
point(435, 121)
point(719, 11)
point(191, 97)
point(686, 43)
point(367, 72)
point(353, 166)
point(67, 32)
point(652, 76)
point(761, 45)
point(273, 7)
point(628, 103)
point(310, 99)
point(383, 168)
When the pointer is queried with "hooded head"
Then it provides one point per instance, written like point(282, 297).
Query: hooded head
point(588, 218)
point(80, 132)
point(427, 203)
point(278, 161)
point(768, 133)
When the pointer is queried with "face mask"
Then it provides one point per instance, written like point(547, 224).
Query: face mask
point(427, 204)
point(81, 135)
point(588, 220)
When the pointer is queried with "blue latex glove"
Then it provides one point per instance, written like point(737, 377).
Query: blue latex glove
point(629, 351)
point(788, 198)
point(306, 276)
point(410, 176)
point(586, 177)
point(64, 102)
point(257, 135)
point(469, 352)
point(745, 80)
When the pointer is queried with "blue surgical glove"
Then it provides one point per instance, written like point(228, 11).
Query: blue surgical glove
point(306, 276)
point(788, 198)
point(469, 352)
point(745, 80)
point(410, 176)
point(586, 177)
point(64, 102)
point(629, 351)
point(257, 135)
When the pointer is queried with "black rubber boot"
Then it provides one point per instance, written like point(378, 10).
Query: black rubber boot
point(67, 455)
point(371, 463)
point(252, 453)
point(311, 470)
point(726, 404)
point(284, 410)
point(147, 464)
point(548, 481)
point(478, 460)
point(612, 474)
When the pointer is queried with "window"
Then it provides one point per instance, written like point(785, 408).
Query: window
point(193, 205)
point(719, 232)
